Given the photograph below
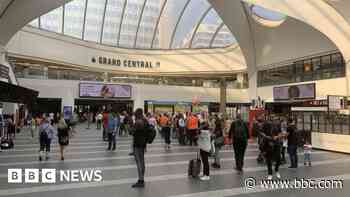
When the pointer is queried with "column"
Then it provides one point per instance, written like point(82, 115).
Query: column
point(223, 95)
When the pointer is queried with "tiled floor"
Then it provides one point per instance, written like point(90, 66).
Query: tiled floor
point(165, 173)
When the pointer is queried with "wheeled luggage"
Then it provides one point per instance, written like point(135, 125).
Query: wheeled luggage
point(194, 167)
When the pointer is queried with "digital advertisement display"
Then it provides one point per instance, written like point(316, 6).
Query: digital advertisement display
point(104, 90)
point(297, 92)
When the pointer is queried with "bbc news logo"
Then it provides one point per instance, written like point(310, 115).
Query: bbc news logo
point(31, 175)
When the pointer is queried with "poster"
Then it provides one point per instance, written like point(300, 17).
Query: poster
point(67, 112)
point(104, 90)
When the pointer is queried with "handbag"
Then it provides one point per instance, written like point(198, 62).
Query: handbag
point(64, 140)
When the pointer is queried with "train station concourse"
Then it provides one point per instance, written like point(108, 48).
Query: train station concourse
point(180, 98)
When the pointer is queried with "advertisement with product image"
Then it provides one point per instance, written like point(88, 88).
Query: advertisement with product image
point(104, 90)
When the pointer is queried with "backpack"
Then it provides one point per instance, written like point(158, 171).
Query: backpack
point(151, 134)
point(239, 132)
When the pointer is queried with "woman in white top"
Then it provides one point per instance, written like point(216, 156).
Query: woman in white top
point(205, 147)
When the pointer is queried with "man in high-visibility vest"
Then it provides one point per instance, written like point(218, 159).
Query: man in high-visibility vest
point(192, 128)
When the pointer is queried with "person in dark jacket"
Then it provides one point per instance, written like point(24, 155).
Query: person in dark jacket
point(239, 135)
point(218, 140)
point(292, 144)
point(271, 136)
point(140, 142)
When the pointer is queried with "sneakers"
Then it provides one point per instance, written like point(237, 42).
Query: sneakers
point(269, 177)
point(139, 184)
point(205, 178)
point(278, 175)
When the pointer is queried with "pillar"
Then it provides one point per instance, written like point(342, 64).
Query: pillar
point(223, 96)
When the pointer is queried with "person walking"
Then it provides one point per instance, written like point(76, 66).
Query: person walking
point(105, 116)
point(113, 124)
point(272, 138)
point(140, 143)
point(63, 135)
point(218, 141)
point(99, 118)
point(165, 123)
point(46, 133)
point(204, 149)
point(239, 135)
point(292, 144)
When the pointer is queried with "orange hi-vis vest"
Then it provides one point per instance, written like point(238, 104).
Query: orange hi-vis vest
point(163, 121)
point(192, 123)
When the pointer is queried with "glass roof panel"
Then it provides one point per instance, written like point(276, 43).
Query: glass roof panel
point(168, 21)
point(93, 22)
point(148, 23)
point(267, 14)
point(34, 23)
point(74, 18)
point(141, 24)
point(52, 21)
point(130, 23)
point(224, 38)
point(192, 16)
point(113, 16)
point(206, 30)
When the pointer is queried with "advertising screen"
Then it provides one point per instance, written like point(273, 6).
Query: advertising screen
point(104, 90)
point(297, 92)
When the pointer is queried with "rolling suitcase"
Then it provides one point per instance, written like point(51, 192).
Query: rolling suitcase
point(194, 167)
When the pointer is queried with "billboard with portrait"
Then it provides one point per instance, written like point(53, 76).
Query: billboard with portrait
point(295, 92)
point(99, 90)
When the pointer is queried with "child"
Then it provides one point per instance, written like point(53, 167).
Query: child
point(307, 152)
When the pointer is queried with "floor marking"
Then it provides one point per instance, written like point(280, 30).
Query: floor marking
point(60, 187)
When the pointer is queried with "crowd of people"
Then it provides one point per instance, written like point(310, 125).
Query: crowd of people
point(209, 133)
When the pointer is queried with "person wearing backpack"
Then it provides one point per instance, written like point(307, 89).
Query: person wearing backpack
point(46, 132)
point(239, 135)
point(140, 136)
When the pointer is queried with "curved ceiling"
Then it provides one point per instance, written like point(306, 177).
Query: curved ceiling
point(140, 24)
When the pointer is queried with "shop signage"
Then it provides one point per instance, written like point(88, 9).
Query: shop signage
point(126, 63)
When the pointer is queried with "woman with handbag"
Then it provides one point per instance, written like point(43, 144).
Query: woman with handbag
point(218, 141)
point(63, 135)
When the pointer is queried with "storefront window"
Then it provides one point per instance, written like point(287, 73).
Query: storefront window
point(316, 68)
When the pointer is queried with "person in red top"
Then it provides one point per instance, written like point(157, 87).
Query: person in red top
point(105, 125)
point(192, 128)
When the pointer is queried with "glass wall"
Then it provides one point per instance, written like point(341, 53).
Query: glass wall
point(316, 68)
point(323, 122)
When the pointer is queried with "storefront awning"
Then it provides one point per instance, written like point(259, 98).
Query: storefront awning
point(16, 94)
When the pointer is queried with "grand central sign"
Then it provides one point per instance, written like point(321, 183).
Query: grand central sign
point(126, 63)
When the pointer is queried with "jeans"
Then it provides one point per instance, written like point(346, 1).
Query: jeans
point(99, 123)
point(139, 154)
point(166, 132)
point(283, 154)
point(292, 151)
point(104, 133)
point(217, 155)
point(307, 157)
point(239, 148)
point(205, 161)
point(273, 155)
point(111, 140)
point(192, 136)
point(182, 136)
